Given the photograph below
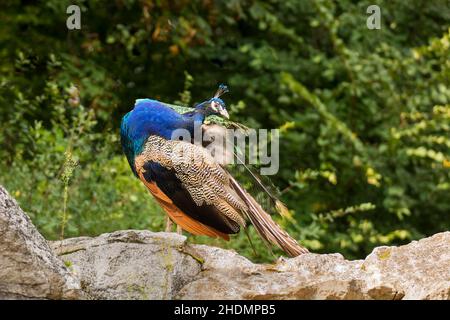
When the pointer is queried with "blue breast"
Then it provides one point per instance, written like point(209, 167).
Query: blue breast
point(149, 117)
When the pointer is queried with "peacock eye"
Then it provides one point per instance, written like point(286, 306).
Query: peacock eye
point(214, 106)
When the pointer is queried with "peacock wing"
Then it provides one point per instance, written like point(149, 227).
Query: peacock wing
point(205, 192)
point(215, 137)
point(183, 179)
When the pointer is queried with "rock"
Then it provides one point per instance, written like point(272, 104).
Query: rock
point(136, 264)
point(145, 265)
point(130, 264)
point(419, 270)
point(28, 267)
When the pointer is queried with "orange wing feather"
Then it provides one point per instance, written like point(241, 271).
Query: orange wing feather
point(179, 217)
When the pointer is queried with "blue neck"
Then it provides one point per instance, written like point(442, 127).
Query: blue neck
point(151, 117)
point(193, 118)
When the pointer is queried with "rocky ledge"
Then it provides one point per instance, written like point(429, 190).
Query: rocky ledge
point(135, 264)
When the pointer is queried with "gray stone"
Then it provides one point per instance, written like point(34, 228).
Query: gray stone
point(145, 265)
point(28, 267)
point(129, 264)
point(419, 270)
point(136, 264)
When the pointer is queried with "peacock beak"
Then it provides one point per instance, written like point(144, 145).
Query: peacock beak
point(224, 113)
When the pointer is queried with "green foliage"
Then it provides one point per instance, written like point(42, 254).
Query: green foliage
point(364, 115)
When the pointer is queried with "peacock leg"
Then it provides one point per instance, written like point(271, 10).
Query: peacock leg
point(179, 229)
point(169, 224)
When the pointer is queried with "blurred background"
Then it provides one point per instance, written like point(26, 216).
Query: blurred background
point(364, 114)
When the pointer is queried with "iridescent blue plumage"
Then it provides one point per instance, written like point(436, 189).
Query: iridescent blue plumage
point(152, 117)
point(195, 191)
point(149, 117)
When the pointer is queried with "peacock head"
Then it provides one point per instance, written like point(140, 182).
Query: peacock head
point(215, 105)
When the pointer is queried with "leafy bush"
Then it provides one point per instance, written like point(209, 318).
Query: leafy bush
point(364, 114)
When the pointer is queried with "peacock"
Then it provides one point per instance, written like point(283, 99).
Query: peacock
point(198, 193)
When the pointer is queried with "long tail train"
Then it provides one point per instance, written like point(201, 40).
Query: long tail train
point(268, 229)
